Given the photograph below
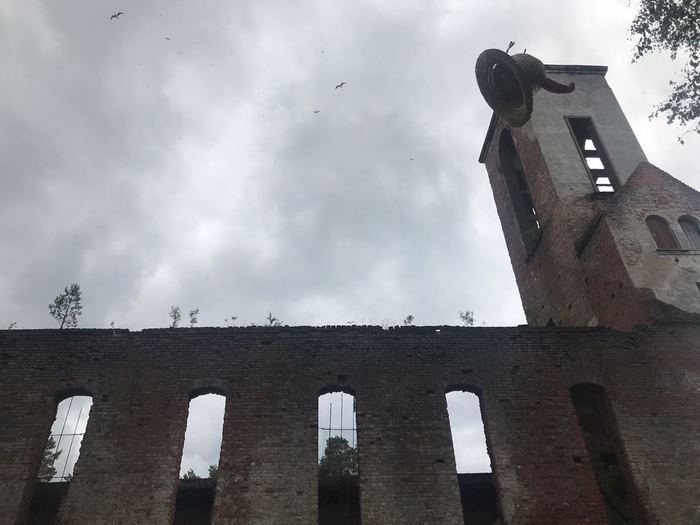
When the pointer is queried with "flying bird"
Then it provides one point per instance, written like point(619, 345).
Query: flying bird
point(340, 85)
point(167, 38)
point(317, 111)
point(117, 15)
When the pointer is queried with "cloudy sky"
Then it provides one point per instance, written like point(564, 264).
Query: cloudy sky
point(174, 157)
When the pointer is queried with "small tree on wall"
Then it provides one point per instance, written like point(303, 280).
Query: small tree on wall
point(467, 317)
point(272, 320)
point(175, 316)
point(194, 315)
point(66, 307)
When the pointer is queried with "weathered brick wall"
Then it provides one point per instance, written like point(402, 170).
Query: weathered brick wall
point(555, 285)
point(141, 382)
point(619, 278)
point(671, 276)
point(609, 288)
point(550, 279)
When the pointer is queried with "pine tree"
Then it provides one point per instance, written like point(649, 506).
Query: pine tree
point(47, 470)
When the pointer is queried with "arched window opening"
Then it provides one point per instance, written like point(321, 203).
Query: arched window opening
point(523, 206)
point(599, 431)
point(200, 459)
point(59, 458)
point(661, 231)
point(63, 447)
point(691, 227)
point(476, 487)
point(338, 471)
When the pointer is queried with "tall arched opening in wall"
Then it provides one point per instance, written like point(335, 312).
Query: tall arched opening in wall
point(519, 191)
point(338, 458)
point(59, 457)
point(622, 500)
point(200, 457)
point(477, 489)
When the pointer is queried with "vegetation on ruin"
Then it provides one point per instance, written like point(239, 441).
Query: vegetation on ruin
point(47, 470)
point(339, 460)
point(467, 317)
point(67, 307)
point(175, 316)
point(673, 26)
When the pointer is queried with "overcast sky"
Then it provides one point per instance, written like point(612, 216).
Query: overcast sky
point(174, 157)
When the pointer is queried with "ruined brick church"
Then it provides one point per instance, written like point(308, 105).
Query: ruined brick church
point(591, 411)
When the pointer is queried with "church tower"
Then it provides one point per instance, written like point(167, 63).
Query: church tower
point(596, 234)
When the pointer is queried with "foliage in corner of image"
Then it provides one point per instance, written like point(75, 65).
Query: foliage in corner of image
point(674, 26)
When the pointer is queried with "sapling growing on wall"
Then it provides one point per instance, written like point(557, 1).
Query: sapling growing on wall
point(193, 317)
point(272, 320)
point(66, 307)
point(467, 317)
point(175, 316)
point(408, 320)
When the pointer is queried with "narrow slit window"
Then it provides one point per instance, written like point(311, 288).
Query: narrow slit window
point(476, 487)
point(593, 154)
point(621, 499)
point(338, 469)
point(521, 199)
point(662, 234)
point(691, 227)
point(200, 459)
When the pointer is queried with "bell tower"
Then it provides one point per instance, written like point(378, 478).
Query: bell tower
point(596, 235)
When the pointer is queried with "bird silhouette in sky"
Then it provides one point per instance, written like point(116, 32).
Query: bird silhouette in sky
point(340, 85)
point(117, 15)
point(317, 111)
point(167, 38)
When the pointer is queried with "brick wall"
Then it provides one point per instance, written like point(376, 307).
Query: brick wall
point(141, 382)
point(550, 280)
point(670, 276)
point(617, 278)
